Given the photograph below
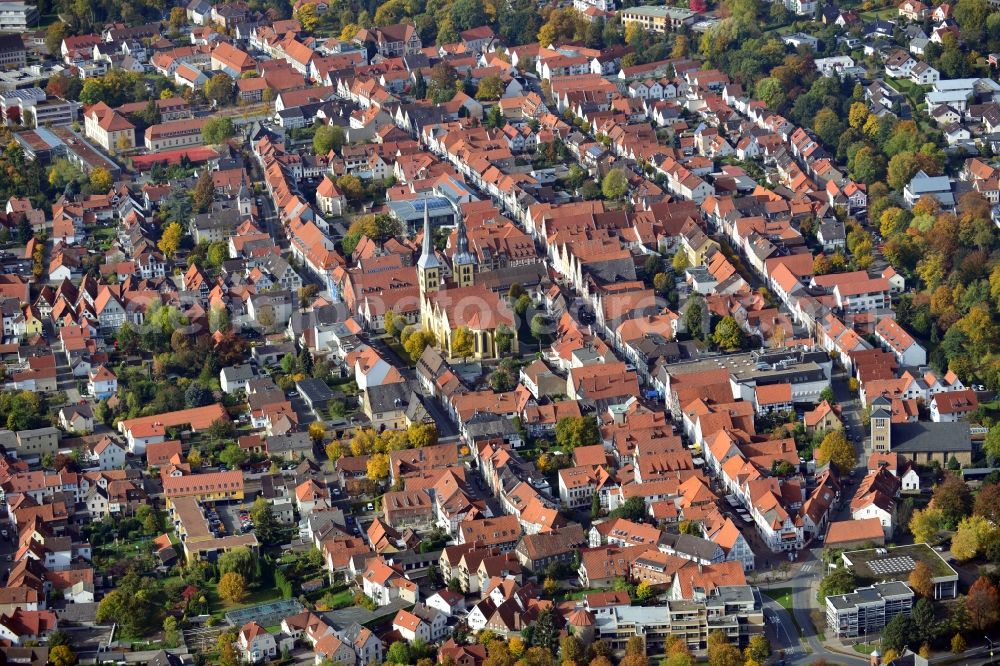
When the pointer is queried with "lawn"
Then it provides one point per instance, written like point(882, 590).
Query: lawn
point(335, 600)
point(783, 595)
point(887, 13)
point(865, 648)
point(575, 595)
point(257, 595)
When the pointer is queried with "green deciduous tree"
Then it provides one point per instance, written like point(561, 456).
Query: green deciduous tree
point(238, 560)
point(327, 138)
point(828, 126)
point(171, 634)
point(217, 130)
point(264, 523)
point(838, 581)
point(631, 510)
point(540, 326)
point(232, 456)
point(728, 335)
point(772, 92)
point(490, 88)
point(694, 317)
point(868, 166)
point(504, 338)
point(574, 431)
point(220, 89)
point(615, 184)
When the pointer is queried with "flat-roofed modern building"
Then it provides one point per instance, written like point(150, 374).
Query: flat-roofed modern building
point(896, 563)
point(33, 108)
point(868, 609)
point(736, 610)
point(17, 16)
point(658, 19)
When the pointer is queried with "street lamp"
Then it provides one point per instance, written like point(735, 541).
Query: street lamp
point(991, 642)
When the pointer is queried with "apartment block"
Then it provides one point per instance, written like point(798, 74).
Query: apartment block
point(17, 16)
point(868, 609)
point(734, 610)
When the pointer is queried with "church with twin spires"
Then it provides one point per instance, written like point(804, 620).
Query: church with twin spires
point(446, 307)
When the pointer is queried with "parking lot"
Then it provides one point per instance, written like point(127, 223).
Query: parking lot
point(229, 515)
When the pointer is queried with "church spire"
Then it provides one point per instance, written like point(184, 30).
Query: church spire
point(428, 259)
point(463, 238)
point(463, 262)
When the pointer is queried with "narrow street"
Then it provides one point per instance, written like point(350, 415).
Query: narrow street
point(851, 413)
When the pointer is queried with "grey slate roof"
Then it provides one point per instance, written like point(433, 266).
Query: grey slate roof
point(691, 545)
point(238, 373)
point(388, 397)
point(315, 391)
point(293, 441)
point(489, 425)
point(931, 437)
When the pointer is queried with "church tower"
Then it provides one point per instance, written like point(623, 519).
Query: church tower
point(881, 424)
point(244, 201)
point(428, 266)
point(463, 262)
